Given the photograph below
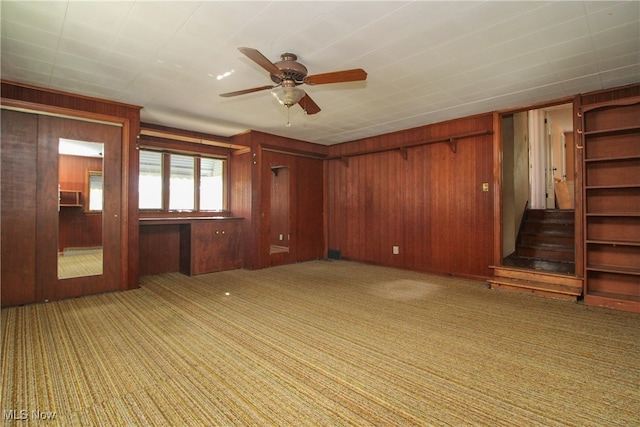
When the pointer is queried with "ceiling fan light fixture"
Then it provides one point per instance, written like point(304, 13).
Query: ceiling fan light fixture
point(287, 93)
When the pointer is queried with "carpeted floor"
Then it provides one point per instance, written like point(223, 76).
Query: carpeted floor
point(80, 263)
point(319, 343)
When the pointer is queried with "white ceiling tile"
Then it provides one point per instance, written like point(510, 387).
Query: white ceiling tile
point(70, 80)
point(79, 48)
point(568, 48)
point(612, 14)
point(48, 19)
point(95, 22)
point(19, 75)
point(30, 35)
point(24, 64)
point(28, 51)
point(621, 75)
point(551, 14)
point(571, 85)
point(616, 35)
point(629, 50)
point(427, 60)
point(101, 37)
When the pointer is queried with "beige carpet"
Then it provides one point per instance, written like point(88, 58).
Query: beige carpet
point(319, 343)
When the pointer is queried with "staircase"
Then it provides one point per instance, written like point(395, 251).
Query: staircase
point(543, 263)
point(547, 235)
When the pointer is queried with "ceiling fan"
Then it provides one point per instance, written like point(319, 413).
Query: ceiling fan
point(288, 73)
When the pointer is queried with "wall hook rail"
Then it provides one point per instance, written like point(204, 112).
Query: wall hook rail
point(451, 140)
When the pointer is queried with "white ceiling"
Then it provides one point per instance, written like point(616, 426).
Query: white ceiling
point(427, 61)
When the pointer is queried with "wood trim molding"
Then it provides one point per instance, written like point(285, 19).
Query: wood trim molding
point(190, 139)
point(62, 112)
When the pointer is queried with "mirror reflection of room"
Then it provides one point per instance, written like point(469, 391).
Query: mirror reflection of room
point(80, 188)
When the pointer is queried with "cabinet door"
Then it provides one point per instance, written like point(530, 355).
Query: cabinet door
point(215, 246)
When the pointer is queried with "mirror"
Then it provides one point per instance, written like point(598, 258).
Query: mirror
point(80, 199)
point(279, 226)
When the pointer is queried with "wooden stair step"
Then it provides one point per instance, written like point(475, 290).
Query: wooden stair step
point(538, 286)
point(547, 238)
point(547, 234)
point(564, 214)
point(533, 291)
point(547, 228)
point(537, 276)
point(549, 285)
point(546, 251)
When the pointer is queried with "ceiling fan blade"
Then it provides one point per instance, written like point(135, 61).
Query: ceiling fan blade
point(354, 75)
point(308, 105)
point(261, 60)
point(244, 91)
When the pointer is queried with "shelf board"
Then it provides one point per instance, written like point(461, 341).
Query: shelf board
point(612, 131)
point(615, 242)
point(612, 295)
point(614, 301)
point(610, 187)
point(613, 214)
point(611, 159)
point(614, 269)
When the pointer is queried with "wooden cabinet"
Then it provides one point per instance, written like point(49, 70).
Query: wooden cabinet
point(611, 144)
point(214, 246)
point(190, 245)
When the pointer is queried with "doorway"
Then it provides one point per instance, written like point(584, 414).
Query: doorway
point(538, 189)
point(279, 233)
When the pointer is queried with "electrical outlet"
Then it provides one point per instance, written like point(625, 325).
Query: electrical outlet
point(396, 250)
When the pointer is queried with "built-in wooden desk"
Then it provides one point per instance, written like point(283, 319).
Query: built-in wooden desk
point(190, 245)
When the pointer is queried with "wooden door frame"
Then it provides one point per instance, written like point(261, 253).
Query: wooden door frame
point(575, 101)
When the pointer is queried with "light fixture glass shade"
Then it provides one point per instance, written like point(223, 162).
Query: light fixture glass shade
point(287, 94)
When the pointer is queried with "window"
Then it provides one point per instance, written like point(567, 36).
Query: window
point(95, 190)
point(211, 195)
point(150, 182)
point(180, 182)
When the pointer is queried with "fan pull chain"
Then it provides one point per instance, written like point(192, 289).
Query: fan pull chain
point(288, 111)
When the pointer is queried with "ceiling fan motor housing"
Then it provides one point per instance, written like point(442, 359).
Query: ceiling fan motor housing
point(291, 69)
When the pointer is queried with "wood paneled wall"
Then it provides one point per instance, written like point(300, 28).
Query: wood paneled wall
point(431, 204)
point(614, 94)
point(19, 202)
point(310, 208)
point(242, 193)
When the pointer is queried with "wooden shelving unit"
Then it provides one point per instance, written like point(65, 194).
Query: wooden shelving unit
point(70, 198)
point(611, 144)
